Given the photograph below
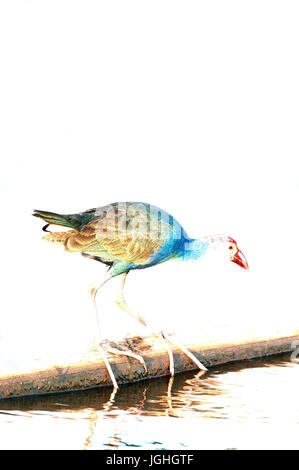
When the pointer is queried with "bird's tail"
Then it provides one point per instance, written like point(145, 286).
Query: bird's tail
point(51, 218)
point(60, 238)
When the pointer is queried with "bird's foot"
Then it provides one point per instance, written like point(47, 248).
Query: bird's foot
point(126, 352)
point(180, 346)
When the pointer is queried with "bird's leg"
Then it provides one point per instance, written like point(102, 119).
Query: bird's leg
point(120, 300)
point(162, 335)
point(170, 354)
point(122, 304)
point(93, 292)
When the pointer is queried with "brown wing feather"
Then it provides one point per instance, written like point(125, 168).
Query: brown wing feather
point(116, 235)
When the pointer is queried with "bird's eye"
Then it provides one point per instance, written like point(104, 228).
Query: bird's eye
point(230, 247)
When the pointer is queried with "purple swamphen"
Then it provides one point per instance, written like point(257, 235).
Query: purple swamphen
point(134, 235)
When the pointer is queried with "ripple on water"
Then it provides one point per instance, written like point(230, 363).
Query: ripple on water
point(191, 411)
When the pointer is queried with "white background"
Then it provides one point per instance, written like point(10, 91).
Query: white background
point(191, 106)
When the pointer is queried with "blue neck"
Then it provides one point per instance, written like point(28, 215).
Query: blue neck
point(194, 249)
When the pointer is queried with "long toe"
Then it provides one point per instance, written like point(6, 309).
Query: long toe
point(128, 353)
point(184, 350)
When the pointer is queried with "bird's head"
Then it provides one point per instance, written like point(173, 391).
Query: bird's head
point(235, 254)
point(227, 248)
point(223, 246)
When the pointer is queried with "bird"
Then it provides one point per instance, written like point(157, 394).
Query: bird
point(129, 236)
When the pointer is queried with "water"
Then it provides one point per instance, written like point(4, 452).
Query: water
point(252, 404)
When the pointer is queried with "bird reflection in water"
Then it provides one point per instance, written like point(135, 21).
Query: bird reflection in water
point(138, 403)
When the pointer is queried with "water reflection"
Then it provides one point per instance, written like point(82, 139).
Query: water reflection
point(144, 415)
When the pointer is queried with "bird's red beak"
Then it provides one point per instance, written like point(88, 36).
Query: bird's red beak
point(240, 259)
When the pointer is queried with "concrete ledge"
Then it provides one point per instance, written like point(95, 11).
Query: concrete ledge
point(88, 371)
